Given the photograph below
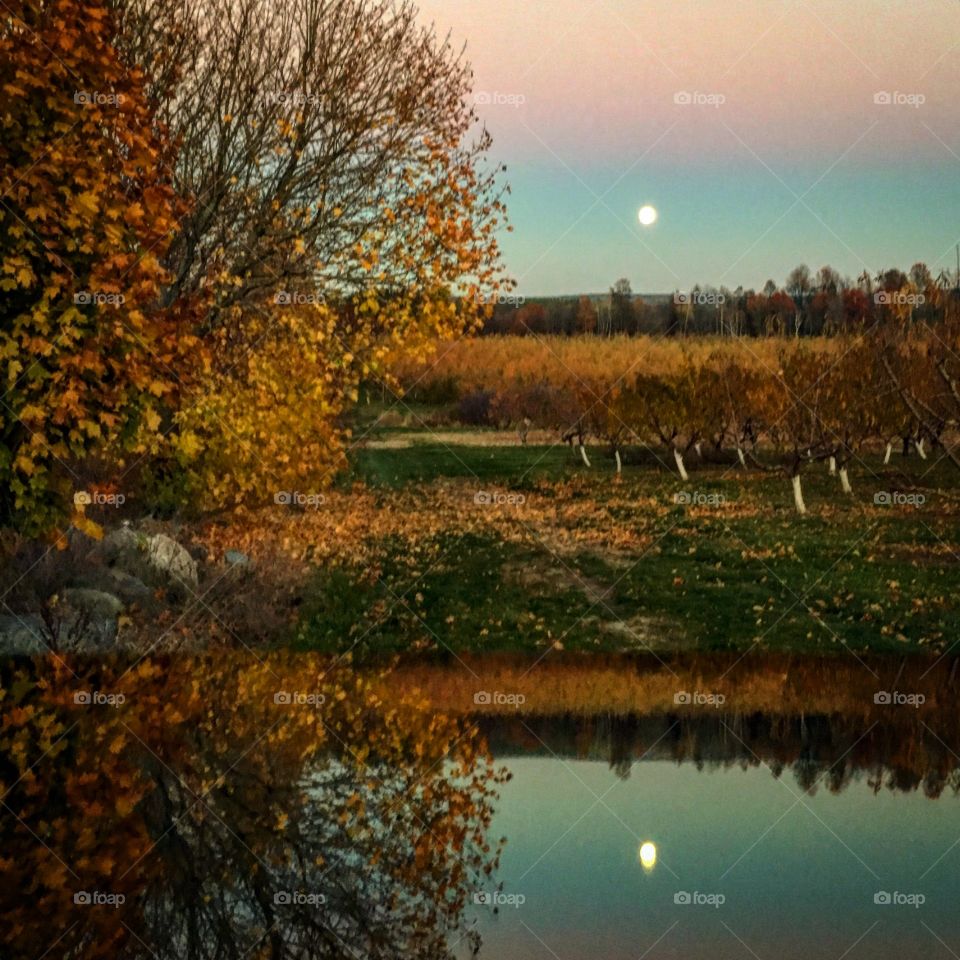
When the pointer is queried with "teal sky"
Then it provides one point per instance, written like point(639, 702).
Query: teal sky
point(784, 156)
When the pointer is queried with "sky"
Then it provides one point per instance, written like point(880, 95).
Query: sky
point(753, 127)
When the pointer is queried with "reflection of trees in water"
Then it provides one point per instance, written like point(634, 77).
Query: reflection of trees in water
point(232, 825)
point(901, 752)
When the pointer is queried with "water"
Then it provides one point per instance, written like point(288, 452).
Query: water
point(778, 872)
point(230, 807)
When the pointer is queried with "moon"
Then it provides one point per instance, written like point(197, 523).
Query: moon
point(647, 215)
point(647, 855)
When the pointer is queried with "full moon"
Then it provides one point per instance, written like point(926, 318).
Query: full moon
point(647, 215)
point(647, 855)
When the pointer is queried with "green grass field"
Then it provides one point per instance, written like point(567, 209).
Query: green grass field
point(593, 562)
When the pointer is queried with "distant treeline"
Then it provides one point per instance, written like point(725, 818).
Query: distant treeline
point(808, 304)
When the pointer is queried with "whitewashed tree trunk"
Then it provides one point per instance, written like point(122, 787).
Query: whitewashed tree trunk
point(678, 456)
point(886, 456)
point(616, 453)
point(583, 454)
point(920, 450)
point(699, 449)
point(845, 481)
point(743, 459)
point(798, 495)
point(833, 466)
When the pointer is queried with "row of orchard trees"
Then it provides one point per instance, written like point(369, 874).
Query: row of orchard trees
point(777, 405)
point(214, 219)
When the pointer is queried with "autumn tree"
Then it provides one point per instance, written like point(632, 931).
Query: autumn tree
point(85, 218)
point(344, 207)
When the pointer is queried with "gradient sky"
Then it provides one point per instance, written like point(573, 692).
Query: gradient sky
point(797, 164)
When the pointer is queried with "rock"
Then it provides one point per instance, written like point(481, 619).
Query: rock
point(143, 561)
point(236, 559)
point(167, 557)
point(88, 618)
point(96, 603)
point(22, 636)
point(128, 588)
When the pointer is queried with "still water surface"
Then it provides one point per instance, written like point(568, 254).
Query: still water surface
point(224, 807)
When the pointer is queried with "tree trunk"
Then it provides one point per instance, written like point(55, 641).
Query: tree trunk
point(845, 481)
point(833, 466)
point(583, 454)
point(616, 453)
point(742, 458)
point(678, 456)
point(920, 450)
point(886, 456)
point(798, 494)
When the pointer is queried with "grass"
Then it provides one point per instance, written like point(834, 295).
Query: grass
point(589, 562)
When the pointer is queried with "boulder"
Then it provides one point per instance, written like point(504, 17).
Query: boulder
point(167, 558)
point(150, 560)
point(22, 636)
point(89, 617)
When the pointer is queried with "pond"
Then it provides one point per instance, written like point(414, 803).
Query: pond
point(225, 806)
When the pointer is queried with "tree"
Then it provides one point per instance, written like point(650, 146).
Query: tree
point(344, 208)
point(621, 306)
point(86, 212)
